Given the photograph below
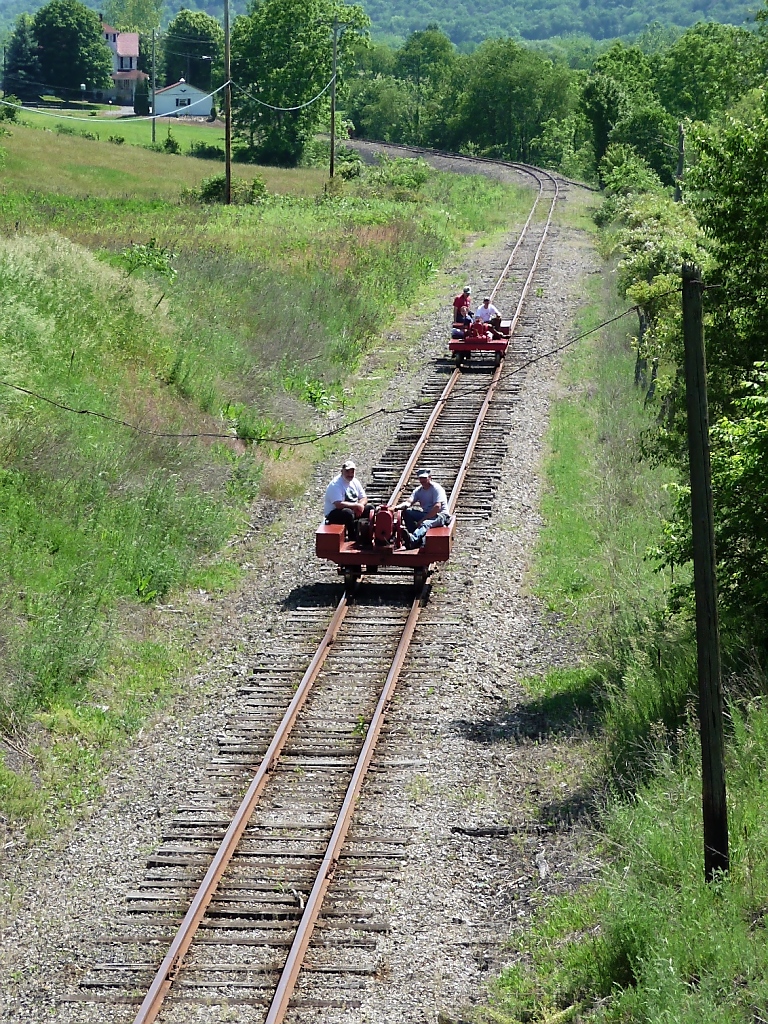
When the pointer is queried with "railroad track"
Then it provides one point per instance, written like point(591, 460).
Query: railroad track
point(259, 895)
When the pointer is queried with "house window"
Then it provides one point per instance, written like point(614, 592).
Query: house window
point(183, 102)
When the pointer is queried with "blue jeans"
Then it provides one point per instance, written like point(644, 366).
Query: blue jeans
point(441, 519)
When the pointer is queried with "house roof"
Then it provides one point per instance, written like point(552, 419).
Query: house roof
point(127, 44)
point(186, 88)
point(129, 76)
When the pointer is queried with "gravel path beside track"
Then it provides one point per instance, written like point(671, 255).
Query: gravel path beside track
point(488, 806)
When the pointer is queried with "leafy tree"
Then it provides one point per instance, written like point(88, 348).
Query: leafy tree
point(71, 48)
point(425, 62)
point(652, 132)
point(566, 146)
point(603, 103)
point(133, 15)
point(378, 108)
point(23, 74)
point(191, 36)
point(725, 187)
point(282, 54)
point(620, 80)
point(509, 94)
point(707, 69)
point(141, 98)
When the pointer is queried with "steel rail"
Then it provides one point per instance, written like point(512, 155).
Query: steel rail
point(292, 968)
point(505, 271)
point(181, 943)
point(306, 927)
point(419, 446)
point(467, 460)
point(169, 969)
point(440, 403)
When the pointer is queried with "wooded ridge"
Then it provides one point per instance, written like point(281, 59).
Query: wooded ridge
point(469, 23)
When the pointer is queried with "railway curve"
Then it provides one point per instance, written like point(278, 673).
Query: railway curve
point(264, 893)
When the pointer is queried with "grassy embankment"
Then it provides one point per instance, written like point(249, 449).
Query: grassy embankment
point(259, 334)
point(648, 941)
point(132, 131)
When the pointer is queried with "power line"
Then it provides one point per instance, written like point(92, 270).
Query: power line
point(300, 106)
point(297, 440)
point(113, 120)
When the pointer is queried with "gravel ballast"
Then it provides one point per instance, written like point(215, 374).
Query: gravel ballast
point(487, 805)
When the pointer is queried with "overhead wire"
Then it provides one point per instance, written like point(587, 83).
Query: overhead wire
point(179, 112)
point(299, 107)
point(298, 440)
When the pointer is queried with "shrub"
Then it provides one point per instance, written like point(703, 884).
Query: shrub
point(117, 140)
point(242, 192)
point(150, 256)
point(10, 113)
point(171, 144)
point(205, 151)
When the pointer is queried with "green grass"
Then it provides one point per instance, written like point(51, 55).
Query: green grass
point(651, 940)
point(66, 165)
point(648, 940)
point(257, 333)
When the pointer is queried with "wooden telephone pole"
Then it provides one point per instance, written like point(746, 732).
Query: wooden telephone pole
point(227, 111)
point(714, 808)
point(154, 87)
point(333, 98)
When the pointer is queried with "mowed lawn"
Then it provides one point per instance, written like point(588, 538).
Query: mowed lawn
point(45, 160)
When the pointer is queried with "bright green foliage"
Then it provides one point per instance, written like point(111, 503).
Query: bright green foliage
point(566, 145)
point(707, 69)
point(191, 36)
point(739, 455)
point(424, 63)
point(282, 55)
point(652, 941)
point(726, 189)
point(213, 190)
point(133, 15)
point(620, 80)
point(652, 133)
point(72, 51)
point(379, 109)
point(23, 74)
point(149, 256)
point(509, 93)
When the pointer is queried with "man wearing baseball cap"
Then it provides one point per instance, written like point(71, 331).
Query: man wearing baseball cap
point(461, 306)
point(428, 507)
point(345, 500)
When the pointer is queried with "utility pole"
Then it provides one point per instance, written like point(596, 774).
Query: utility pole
point(227, 111)
point(154, 87)
point(333, 99)
point(680, 162)
point(714, 807)
point(336, 25)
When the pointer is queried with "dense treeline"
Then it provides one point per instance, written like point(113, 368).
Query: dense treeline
point(467, 24)
point(509, 100)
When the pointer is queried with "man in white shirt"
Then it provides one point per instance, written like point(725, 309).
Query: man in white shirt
point(345, 500)
point(486, 311)
point(428, 507)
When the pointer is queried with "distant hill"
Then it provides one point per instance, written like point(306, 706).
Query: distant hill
point(470, 21)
